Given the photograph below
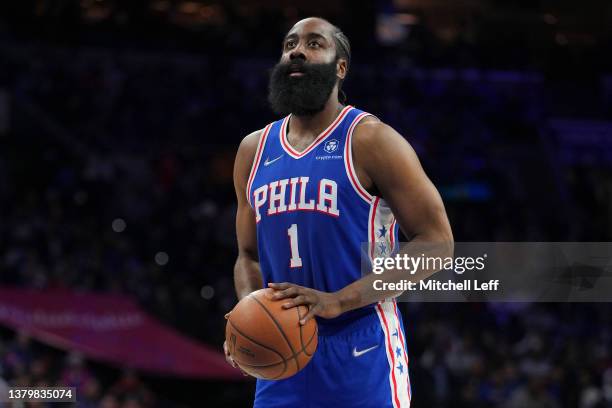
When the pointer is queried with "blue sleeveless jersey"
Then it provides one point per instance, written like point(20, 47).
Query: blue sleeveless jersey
point(313, 216)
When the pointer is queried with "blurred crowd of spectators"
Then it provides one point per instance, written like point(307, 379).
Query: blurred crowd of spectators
point(25, 363)
point(116, 176)
point(511, 355)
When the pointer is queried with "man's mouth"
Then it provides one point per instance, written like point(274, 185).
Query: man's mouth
point(295, 71)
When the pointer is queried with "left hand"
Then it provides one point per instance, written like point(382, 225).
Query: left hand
point(322, 304)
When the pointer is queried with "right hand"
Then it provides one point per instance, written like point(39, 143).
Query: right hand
point(228, 356)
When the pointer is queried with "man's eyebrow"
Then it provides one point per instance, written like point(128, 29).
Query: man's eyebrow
point(316, 35)
point(309, 36)
point(292, 35)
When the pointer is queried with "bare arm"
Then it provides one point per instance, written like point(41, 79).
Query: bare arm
point(247, 275)
point(386, 163)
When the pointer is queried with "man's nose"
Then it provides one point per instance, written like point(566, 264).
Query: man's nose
point(297, 52)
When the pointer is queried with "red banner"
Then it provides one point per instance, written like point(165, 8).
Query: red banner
point(110, 328)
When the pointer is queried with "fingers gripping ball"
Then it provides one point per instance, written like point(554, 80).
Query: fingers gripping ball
point(267, 341)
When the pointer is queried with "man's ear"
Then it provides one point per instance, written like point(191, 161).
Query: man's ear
point(341, 68)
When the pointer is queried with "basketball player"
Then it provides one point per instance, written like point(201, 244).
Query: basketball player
point(312, 187)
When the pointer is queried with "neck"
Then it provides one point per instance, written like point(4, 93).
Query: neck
point(313, 125)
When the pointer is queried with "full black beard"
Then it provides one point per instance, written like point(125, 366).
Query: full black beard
point(304, 95)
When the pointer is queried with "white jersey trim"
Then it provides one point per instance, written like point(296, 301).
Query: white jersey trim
point(322, 136)
point(381, 229)
point(348, 161)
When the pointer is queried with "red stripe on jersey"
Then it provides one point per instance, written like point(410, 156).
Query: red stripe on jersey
point(372, 229)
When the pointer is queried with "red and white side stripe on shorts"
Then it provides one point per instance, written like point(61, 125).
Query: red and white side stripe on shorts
point(399, 378)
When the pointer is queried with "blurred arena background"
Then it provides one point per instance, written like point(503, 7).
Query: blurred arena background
point(119, 122)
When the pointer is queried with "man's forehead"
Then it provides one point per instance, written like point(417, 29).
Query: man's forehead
point(312, 25)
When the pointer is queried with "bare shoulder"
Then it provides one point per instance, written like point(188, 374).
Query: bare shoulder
point(245, 156)
point(249, 143)
point(248, 147)
point(372, 136)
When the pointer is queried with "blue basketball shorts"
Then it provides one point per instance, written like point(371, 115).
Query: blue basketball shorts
point(362, 363)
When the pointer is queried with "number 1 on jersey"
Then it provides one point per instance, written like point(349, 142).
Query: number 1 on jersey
point(295, 261)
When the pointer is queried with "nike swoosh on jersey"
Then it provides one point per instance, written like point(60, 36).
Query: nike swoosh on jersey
point(269, 162)
point(362, 352)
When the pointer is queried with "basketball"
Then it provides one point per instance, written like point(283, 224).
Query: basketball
point(267, 341)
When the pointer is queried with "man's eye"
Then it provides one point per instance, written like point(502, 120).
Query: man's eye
point(290, 44)
point(314, 44)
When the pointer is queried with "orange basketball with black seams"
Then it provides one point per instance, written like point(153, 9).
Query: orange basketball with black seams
point(267, 341)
